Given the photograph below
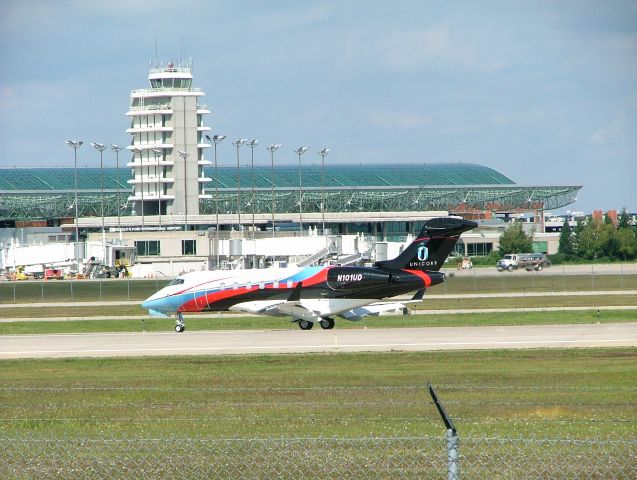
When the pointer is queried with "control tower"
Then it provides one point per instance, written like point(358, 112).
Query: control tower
point(167, 147)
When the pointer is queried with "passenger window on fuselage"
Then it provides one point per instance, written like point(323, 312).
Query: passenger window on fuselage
point(249, 285)
point(222, 286)
point(235, 286)
point(275, 284)
point(290, 283)
point(176, 281)
point(261, 286)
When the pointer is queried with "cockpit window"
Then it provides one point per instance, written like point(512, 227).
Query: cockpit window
point(176, 281)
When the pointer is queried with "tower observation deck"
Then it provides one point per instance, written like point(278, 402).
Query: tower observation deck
point(166, 124)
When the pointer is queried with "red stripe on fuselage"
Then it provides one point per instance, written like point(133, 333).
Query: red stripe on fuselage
point(316, 278)
point(419, 273)
point(201, 302)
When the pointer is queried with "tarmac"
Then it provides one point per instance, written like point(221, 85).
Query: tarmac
point(318, 341)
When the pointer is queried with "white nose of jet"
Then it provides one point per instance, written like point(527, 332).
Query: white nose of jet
point(153, 302)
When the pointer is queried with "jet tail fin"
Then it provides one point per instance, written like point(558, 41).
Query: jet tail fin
point(434, 243)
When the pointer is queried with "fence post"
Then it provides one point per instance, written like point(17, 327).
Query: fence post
point(453, 465)
point(452, 455)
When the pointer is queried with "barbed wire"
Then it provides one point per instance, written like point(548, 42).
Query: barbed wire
point(325, 388)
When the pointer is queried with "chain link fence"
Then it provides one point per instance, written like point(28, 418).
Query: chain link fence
point(556, 279)
point(338, 458)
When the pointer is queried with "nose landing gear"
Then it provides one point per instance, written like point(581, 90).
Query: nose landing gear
point(180, 326)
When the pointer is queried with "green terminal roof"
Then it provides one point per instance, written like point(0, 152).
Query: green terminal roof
point(285, 176)
point(48, 193)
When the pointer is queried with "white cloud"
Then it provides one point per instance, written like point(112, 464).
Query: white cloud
point(398, 119)
point(7, 99)
point(520, 118)
point(415, 49)
point(619, 127)
point(292, 18)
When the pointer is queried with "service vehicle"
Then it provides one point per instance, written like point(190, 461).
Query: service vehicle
point(528, 261)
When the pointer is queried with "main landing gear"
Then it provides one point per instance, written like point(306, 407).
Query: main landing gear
point(326, 323)
point(180, 326)
point(306, 324)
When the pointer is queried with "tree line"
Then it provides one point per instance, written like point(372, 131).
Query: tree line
point(594, 239)
point(590, 239)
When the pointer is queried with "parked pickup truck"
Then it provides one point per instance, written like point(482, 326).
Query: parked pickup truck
point(529, 261)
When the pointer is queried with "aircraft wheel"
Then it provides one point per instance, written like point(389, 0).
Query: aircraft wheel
point(180, 327)
point(306, 325)
point(327, 323)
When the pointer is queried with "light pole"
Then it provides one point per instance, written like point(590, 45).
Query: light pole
point(322, 153)
point(216, 139)
point(184, 156)
point(238, 144)
point(100, 147)
point(141, 177)
point(273, 148)
point(117, 149)
point(75, 144)
point(300, 151)
point(157, 153)
point(252, 144)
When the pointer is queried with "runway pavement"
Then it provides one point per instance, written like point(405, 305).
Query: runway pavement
point(317, 340)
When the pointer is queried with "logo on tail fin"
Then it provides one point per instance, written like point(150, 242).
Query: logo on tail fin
point(423, 252)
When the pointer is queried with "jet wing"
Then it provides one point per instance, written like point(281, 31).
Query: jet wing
point(374, 309)
point(296, 310)
point(278, 308)
point(379, 308)
point(292, 307)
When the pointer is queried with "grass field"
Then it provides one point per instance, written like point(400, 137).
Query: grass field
point(429, 304)
point(122, 289)
point(237, 322)
point(586, 393)
point(50, 409)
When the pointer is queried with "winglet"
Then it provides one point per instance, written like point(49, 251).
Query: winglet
point(295, 296)
point(419, 294)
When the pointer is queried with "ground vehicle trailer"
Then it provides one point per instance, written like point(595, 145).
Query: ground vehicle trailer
point(53, 274)
point(529, 261)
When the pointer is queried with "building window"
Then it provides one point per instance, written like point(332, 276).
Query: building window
point(189, 247)
point(479, 249)
point(147, 247)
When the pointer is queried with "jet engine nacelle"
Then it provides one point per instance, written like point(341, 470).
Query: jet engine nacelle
point(356, 278)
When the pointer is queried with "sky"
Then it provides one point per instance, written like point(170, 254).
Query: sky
point(542, 91)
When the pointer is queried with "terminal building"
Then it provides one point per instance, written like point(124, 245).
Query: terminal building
point(187, 199)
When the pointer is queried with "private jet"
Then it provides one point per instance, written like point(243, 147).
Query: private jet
point(316, 294)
